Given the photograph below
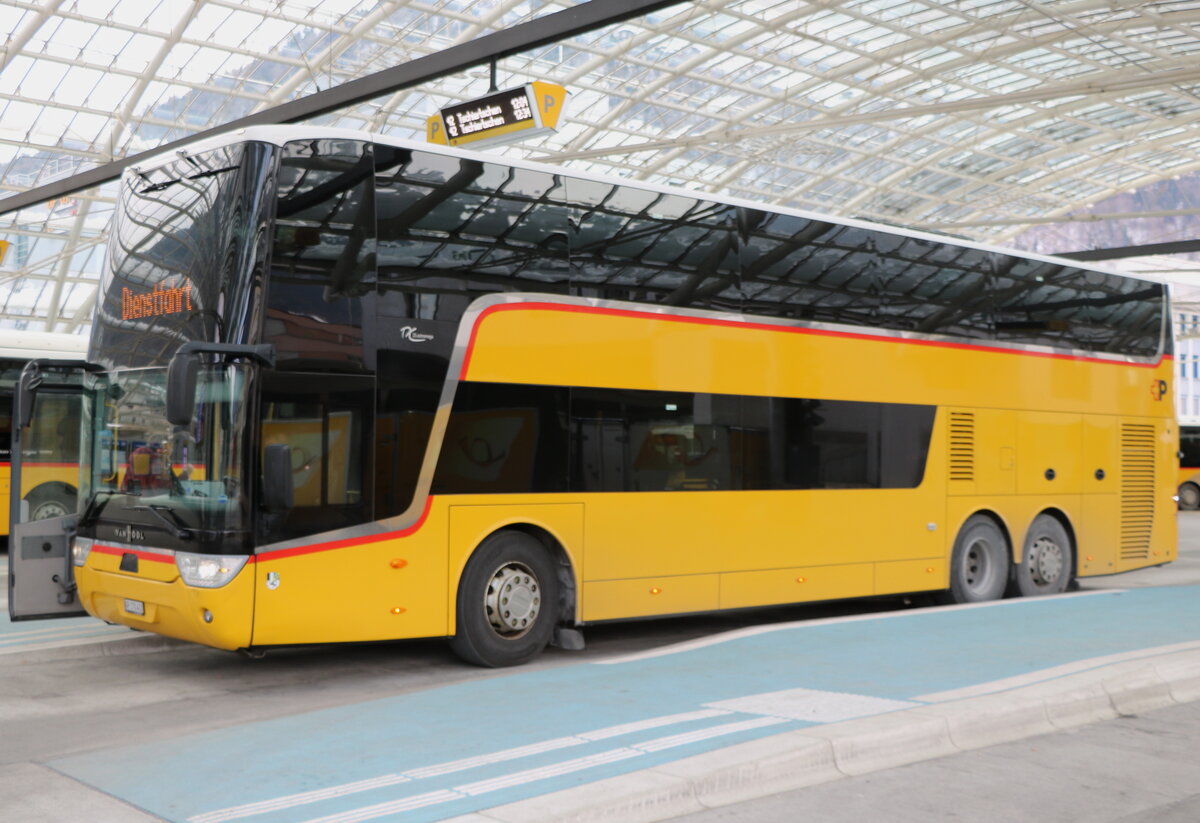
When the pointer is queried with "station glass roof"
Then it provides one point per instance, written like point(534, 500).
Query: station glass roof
point(981, 118)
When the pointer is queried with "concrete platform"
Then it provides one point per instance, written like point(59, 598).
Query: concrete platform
point(660, 734)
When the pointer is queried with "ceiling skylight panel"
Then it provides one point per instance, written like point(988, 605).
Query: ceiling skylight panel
point(13, 76)
point(207, 21)
point(131, 52)
point(88, 128)
point(718, 28)
point(63, 38)
point(12, 19)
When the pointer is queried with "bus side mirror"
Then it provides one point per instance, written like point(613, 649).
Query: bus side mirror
point(277, 478)
point(181, 388)
point(26, 392)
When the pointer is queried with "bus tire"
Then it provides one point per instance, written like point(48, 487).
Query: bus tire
point(50, 501)
point(507, 602)
point(1047, 559)
point(979, 563)
point(1189, 497)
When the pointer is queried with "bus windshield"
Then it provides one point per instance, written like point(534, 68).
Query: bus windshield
point(181, 487)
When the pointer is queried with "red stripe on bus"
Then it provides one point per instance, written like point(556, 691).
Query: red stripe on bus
point(116, 551)
point(279, 554)
point(737, 324)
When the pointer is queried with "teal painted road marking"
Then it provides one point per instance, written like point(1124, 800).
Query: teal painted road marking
point(464, 747)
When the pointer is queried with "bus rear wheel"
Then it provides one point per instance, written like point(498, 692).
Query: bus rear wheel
point(1047, 559)
point(979, 563)
point(1189, 497)
point(507, 602)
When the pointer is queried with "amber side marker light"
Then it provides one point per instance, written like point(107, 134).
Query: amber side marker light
point(655, 590)
point(399, 563)
point(398, 610)
point(930, 569)
point(801, 579)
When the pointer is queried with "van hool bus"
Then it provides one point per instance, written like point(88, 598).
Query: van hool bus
point(348, 388)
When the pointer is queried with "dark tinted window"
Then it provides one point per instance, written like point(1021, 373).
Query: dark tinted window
point(453, 229)
point(1189, 446)
point(184, 256)
point(506, 438)
point(323, 257)
point(326, 421)
point(628, 244)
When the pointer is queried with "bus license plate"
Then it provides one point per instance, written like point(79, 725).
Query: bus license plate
point(135, 607)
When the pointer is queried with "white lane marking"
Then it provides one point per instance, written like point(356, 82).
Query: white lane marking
point(737, 634)
point(291, 800)
point(1052, 673)
point(303, 798)
point(705, 734)
point(553, 770)
point(391, 807)
point(562, 743)
point(812, 705)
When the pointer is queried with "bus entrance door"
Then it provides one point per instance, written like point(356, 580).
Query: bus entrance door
point(42, 499)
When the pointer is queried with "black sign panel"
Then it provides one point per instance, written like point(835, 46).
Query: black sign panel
point(487, 115)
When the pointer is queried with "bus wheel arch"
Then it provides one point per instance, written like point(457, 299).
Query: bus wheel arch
point(979, 560)
point(1048, 556)
point(511, 597)
point(51, 499)
point(1189, 496)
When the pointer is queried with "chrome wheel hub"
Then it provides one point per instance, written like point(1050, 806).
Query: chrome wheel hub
point(1045, 561)
point(48, 510)
point(513, 600)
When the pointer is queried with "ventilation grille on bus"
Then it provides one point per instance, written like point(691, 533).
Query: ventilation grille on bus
point(962, 446)
point(1137, 490)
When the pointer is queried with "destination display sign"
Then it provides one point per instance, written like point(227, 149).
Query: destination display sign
point(501, 117)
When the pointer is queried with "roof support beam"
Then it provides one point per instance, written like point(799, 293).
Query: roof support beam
point(1144, 250)
point(540, 31)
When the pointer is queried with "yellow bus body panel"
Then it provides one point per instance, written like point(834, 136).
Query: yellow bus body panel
point(1015, 434)
point(171, 608)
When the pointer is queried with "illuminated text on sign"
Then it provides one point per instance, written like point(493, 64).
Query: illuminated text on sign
point(157, 303)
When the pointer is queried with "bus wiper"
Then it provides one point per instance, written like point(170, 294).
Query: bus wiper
point(172, 525)
point(93, 506)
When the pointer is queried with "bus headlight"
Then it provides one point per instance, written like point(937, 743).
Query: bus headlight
point(81, 547)
point(208, 571)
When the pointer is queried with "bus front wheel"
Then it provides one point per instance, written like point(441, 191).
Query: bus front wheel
point(507, 602)
point(979, 564)
point(1047, 560)
point(1189, 497)
point(50, 501)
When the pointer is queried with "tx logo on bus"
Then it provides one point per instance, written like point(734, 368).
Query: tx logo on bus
point(411, 334)
point(1158, 389)
point(272, 580)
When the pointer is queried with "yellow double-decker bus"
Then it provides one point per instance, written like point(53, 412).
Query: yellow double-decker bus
point(347, 388)
point(52, 452)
